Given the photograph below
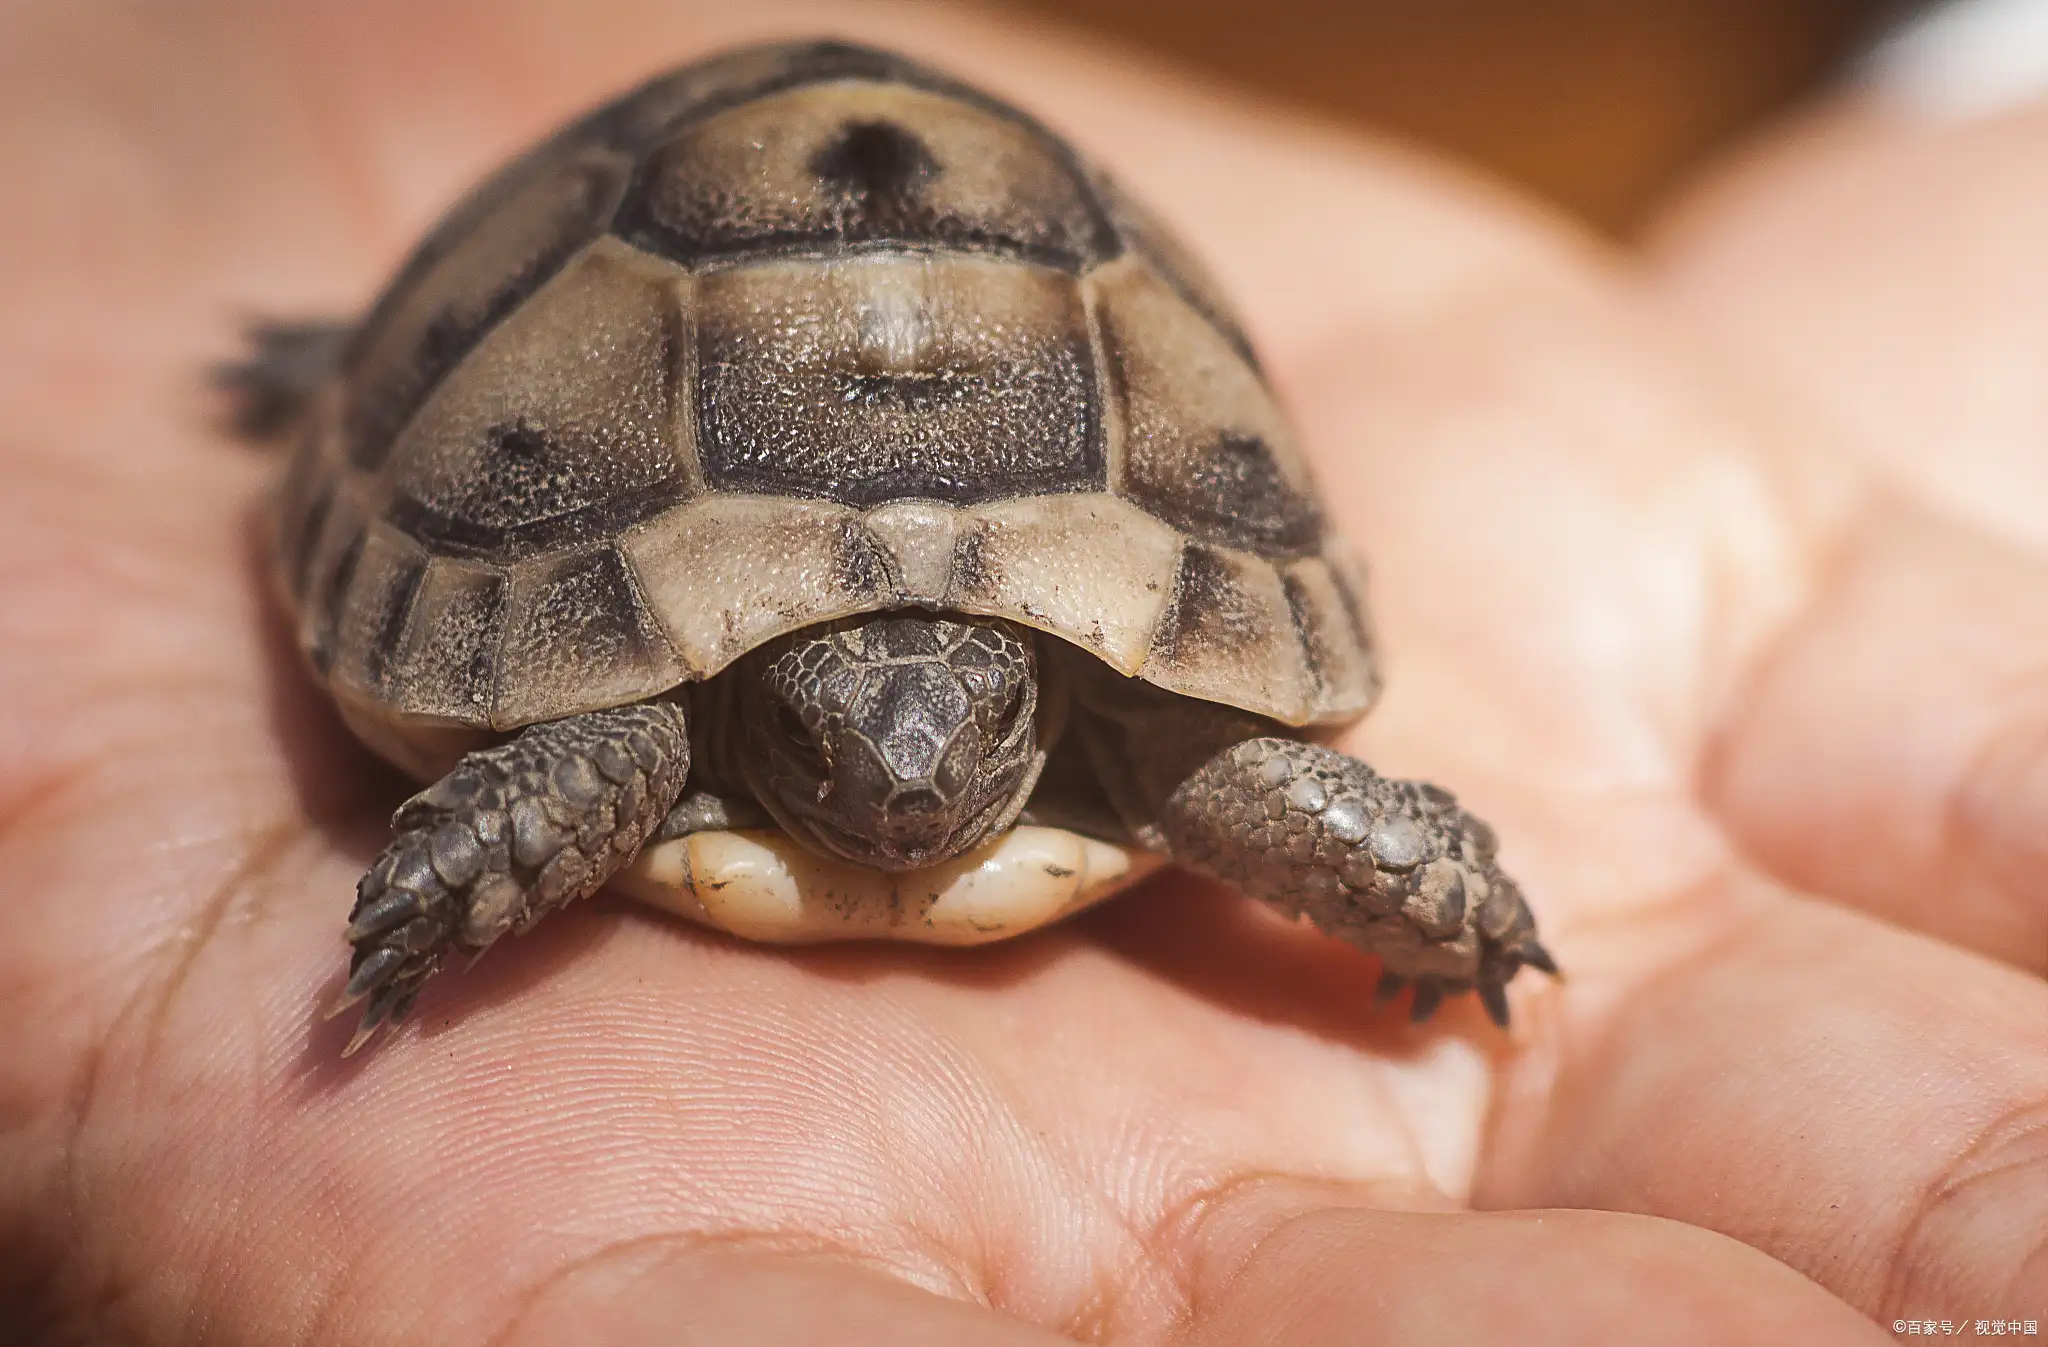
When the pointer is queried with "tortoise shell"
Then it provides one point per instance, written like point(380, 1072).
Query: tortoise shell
point(799, 332)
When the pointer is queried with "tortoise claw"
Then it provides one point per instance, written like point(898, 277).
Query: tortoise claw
point(387, 1006)
point(389, 979)
point(1494, 997)
point(1428, 996)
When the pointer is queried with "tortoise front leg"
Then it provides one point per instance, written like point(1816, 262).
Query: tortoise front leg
point(1393, 867)
point(511, 834)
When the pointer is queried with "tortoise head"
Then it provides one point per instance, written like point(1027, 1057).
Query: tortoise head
point(895, 742)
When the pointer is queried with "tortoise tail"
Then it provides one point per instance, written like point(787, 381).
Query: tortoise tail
point(269, 389)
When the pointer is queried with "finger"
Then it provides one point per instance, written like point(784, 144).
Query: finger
point(1881, 274)
point(1892, 751)
point(1864, 1104)
point(1297, 1264)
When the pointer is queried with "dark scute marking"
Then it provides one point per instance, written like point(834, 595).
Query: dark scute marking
point(860, 566)
point(533, 494)
point(1212, 616)
point(1354, 608)
point(299, 546)
point(333, 597)
point(1315, 650)
point(488, 616)
point(454, 536)
point(855, 471)
point(585, 617)
point(971, 574)
point(868, 224)
point(394, 606)
point(380, 408)
point(1235, 495)
point(877, 160)
point(911, 392)
point(861, 155)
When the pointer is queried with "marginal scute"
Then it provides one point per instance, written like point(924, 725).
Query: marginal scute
point(448, 666)
point(563, 424)
point(725, 573)
point(861, 162)
point(1337, 649)
point(421, 332)
point(578, 638)
point(1205, 447)
point(1230, 637)
point(1347, 572)
point(874, 378)
point(1088, 567)
point(370, 625)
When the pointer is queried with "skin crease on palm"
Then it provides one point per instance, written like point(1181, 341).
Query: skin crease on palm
point(1713, 576)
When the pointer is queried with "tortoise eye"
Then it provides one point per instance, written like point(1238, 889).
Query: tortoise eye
point(1013, 706)
point(797, 740)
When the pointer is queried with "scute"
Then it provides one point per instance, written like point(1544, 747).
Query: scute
point(394, 364)
point(797, 333)
point(875, 378)
point(1090, 568)
point(565, 423)
point(773, 564)
point(446, 668)
point(1229, 634)
point(857, 162)
point(579, 638)
point(1205, 449)
point(1148, 237)
point(370, 620)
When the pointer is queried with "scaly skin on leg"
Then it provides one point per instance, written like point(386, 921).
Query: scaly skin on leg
point(710, 811)
point(1393, 867)
point(511, 834)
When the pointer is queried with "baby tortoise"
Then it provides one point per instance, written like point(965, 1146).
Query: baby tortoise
point(806, 437)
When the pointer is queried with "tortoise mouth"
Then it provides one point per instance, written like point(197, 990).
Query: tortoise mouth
point(840, 842)
point(834, 840)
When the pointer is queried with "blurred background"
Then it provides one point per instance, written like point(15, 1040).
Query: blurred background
point(1595, 104)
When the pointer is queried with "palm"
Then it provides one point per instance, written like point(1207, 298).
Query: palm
point(1623, 621)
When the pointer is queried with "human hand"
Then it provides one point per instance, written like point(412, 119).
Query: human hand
point(1751, 697)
